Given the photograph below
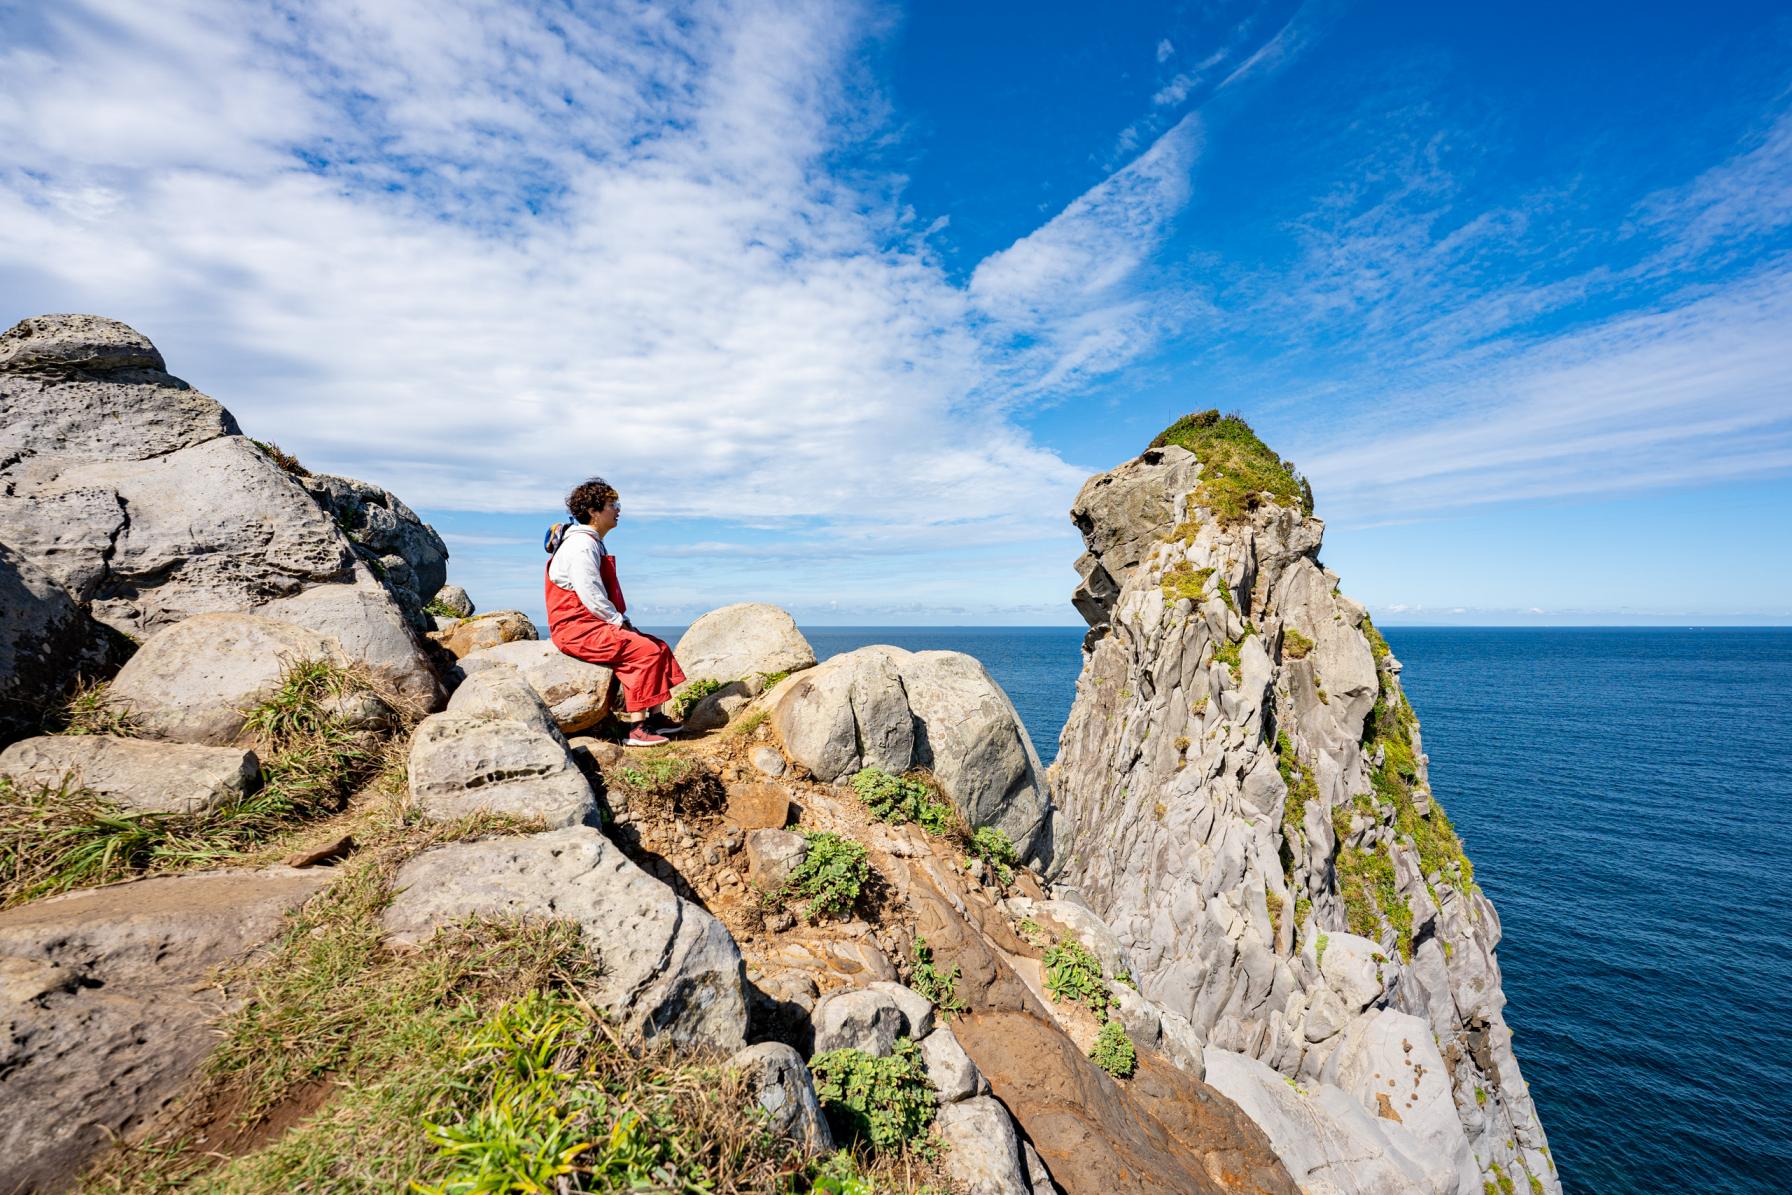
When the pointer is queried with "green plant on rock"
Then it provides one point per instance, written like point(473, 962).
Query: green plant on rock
point(1184, 580)
point(1113, 1051)
point(285, 460)
point(1237, 468)
point(832, 874)
point(1295, 646)
point(996, 849)
point(885, 1101)
point(1230, 654)
point(773, 679)
point(436, 607)
point(903, 799)
point(89, 709)
point(1225, 591)
point(1072, 973)
point(1371, 892)
point(694, 692)
point(838, 1174)
point(1319, 949)
point(939, 987)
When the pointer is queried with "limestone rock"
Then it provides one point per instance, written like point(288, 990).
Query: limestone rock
point(75, 345)
point(192, 682)
point(862, 1019)
point(669, 968)
point(778, 1081)
point(364, 621)
point(772, 855)
point(46, 640)
point(461, 764)
point(454, 599)
point(107, 1007)
point(833, 961)
point(719, 708)
point(949, 1069)
point(485, 630)
point(499, 692)
point(917, 1010)
point(882, 707)
point(769, 761)
point(139, 775)
point(1329, 1142)
point(742, 640)
point(379, 525)
point(1352, 968)
point(576, 693)
point(1121, 514)
point(982, 1153)
point(1038, 1177)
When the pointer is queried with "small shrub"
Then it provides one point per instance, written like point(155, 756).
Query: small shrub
point(1072, 973)
point(993, 846)
point(838, 1174)
point(939, 987)
point(1184, 580)
point(1031, 930)
point(831, 875)
point(1371, 892)
point(1274, 904)
point(1113, 1051)
point(668, 782)
point(1295, 646)
point(886, 1101)
point(692, 693)
point(284, 459)
point(1225, 591)
point(902, 799)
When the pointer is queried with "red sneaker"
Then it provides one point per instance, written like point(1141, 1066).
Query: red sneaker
point(639, 736)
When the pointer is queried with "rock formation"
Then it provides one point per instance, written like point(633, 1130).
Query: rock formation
point(1245, 801)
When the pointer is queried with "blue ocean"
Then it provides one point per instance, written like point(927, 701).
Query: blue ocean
point(1626, 795)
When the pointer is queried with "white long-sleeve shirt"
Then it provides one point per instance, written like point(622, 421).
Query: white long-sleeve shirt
point(575, 566)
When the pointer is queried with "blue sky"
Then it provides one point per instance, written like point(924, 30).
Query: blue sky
point(849, 299)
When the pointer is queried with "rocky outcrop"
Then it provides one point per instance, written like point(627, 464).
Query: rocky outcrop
point(1246, 803)
point(742, 640)
point(137, 775)
point(461, 764)
point(485, 631)
point(576, 693)
point(141, 499)
point(106, 1005)
point(778, 1081)
point(668, 967)
point(882, 707)
point(402, 550)
point(46, 640)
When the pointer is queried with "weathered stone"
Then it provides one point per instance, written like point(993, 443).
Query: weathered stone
point(140, 775)
point(380, 525)
point(107, 1005)
point(1121, 514)
point(949, 1069)
point(861, 1019)
point(1329, 1141)
point(453, 599)
point(485, 630)
point(720, 707)
point(363, 620)
point(1038, 1177)
point(772, 855)
point(76, 344)
point(461, 764)
point(758, 806)
point(777, 1081)
point(833, 961)
point(46, 640)
point(1068, 919)
point(846, 714)
point(745, 639)
point(769, 761)
point(1352, 968)
point(1392, 1053)
point(669, 968)
point(498, 691)
point(982, 1154)
point(917, 1010)
point(575, 692)
point(192, 682)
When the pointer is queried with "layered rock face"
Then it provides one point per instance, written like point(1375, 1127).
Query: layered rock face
point(140, 498)
point(1245, 801)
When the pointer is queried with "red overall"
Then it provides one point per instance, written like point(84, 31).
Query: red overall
point(643, 664)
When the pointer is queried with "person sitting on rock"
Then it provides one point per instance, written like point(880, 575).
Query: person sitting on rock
point(587, 617)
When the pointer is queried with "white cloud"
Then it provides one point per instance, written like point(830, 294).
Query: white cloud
point(1164, 49)
point(473, 252)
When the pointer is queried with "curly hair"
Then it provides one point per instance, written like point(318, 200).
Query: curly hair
point(588, 498)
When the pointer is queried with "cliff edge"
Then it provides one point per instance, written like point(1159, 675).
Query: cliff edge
point(1244, 798)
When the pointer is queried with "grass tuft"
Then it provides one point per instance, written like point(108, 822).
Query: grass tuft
point(285, 460)
point(1237, 468)
point(1295, 646)
point(1184, 580)
point(89, 709)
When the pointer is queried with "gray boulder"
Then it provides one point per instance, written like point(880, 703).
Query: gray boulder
point(778, 1082)
point(772, 855)
point(576, 693)
point(461, 764)
point(192, 682)
point(719, 708)
point(108, 1005)
point(846, 714)
point(46, 640)
point(982, 1152)
point(917, 1010)
point(454, 599)
point(769, 761)
point(668, 967)
point(742, 640)
point(380, 527)
point(950, 1070)
point(861, 1019)
point(485, 630)
point(366, 623)
point(1328, 1141)
point(139, 775)
point(499, 692)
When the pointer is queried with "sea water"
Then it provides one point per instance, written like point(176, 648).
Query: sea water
point(1626, 796)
